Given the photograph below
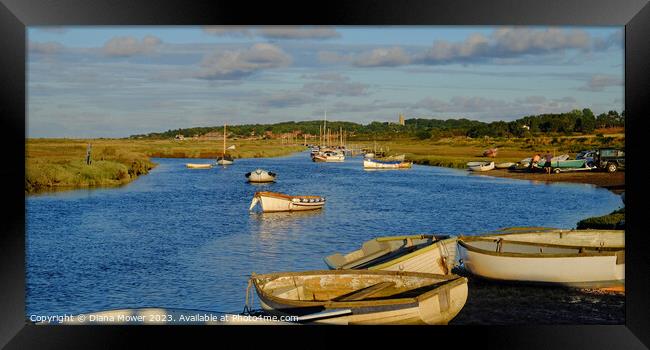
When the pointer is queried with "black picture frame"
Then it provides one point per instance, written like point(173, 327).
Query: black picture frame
point(15, 15)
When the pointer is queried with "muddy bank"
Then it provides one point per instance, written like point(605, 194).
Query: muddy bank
point(614, 182)
point(498, 303)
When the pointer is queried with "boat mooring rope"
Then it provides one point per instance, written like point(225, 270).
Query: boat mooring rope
point(249, 299)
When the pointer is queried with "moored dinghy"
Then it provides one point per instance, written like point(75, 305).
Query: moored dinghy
point(480, 166)
point(576, 258)
point(260, 175)
point(276, 202)
point(362, 296)
point(198, 166)
point(414, 253)
point(377, 164)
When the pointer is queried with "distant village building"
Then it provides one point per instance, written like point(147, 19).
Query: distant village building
point(401, 119)
point(526, 127)
point(179, 137)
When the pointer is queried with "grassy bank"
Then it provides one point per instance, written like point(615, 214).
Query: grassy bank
point(54, 164)
point(610, 221)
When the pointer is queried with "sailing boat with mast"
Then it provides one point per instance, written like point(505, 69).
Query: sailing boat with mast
point(327, 153)
point(224, 159)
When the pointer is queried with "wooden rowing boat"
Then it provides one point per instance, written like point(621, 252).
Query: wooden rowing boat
point(415, 253)
point(376, 164)
point(198, 166)
point(578, 258)
point(363, 296)
point(480, 166)
point(260, 175)
point(276, 202)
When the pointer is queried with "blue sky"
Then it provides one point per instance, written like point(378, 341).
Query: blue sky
point(87, 81)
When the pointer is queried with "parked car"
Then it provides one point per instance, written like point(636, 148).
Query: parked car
point(589, 155)
point(610, 159)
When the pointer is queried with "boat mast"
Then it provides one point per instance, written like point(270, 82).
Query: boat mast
point(224, 140)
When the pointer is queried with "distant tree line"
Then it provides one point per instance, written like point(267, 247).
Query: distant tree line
point(577, 121)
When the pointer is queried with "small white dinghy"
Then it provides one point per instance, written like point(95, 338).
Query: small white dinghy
point(575, 258)
point(198, 166)
point(261, 175)
point(277, 202)
point(480, 166)
point(414, 253)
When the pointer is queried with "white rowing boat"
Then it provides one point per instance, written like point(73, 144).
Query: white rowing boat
point(376, 164)
point(580, 258)
point(260, 175)
point(276, 202)
point(362, 297)
point(414, 253)
point(198, 166)
point(480, 166)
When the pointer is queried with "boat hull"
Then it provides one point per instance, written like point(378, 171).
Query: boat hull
point(198, 166)
point(565, 164)
point(435, 307)
point(371, 164)
point(438, 257)
point(328, 159)
point(276, 202)
point(224, 162)
point(481, 167)
point(574, 262)
point(259, 176)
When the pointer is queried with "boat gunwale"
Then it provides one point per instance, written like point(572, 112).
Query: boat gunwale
point(282, 195)
point(451, 280)
point(602, 253)
point(417, 252)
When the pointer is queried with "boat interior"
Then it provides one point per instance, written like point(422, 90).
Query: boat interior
point(549, 242)
point(610, 239)
point(346, 288)
point(380, 250)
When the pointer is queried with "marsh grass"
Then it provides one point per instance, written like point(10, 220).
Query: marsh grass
point(610, 221)
point(60, 163)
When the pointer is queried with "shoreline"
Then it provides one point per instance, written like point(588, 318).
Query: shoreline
point(613, 182)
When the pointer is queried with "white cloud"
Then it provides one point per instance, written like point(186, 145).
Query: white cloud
point(383, 57)
point(236, 64)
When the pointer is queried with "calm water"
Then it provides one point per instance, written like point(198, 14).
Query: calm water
point(184, 238)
